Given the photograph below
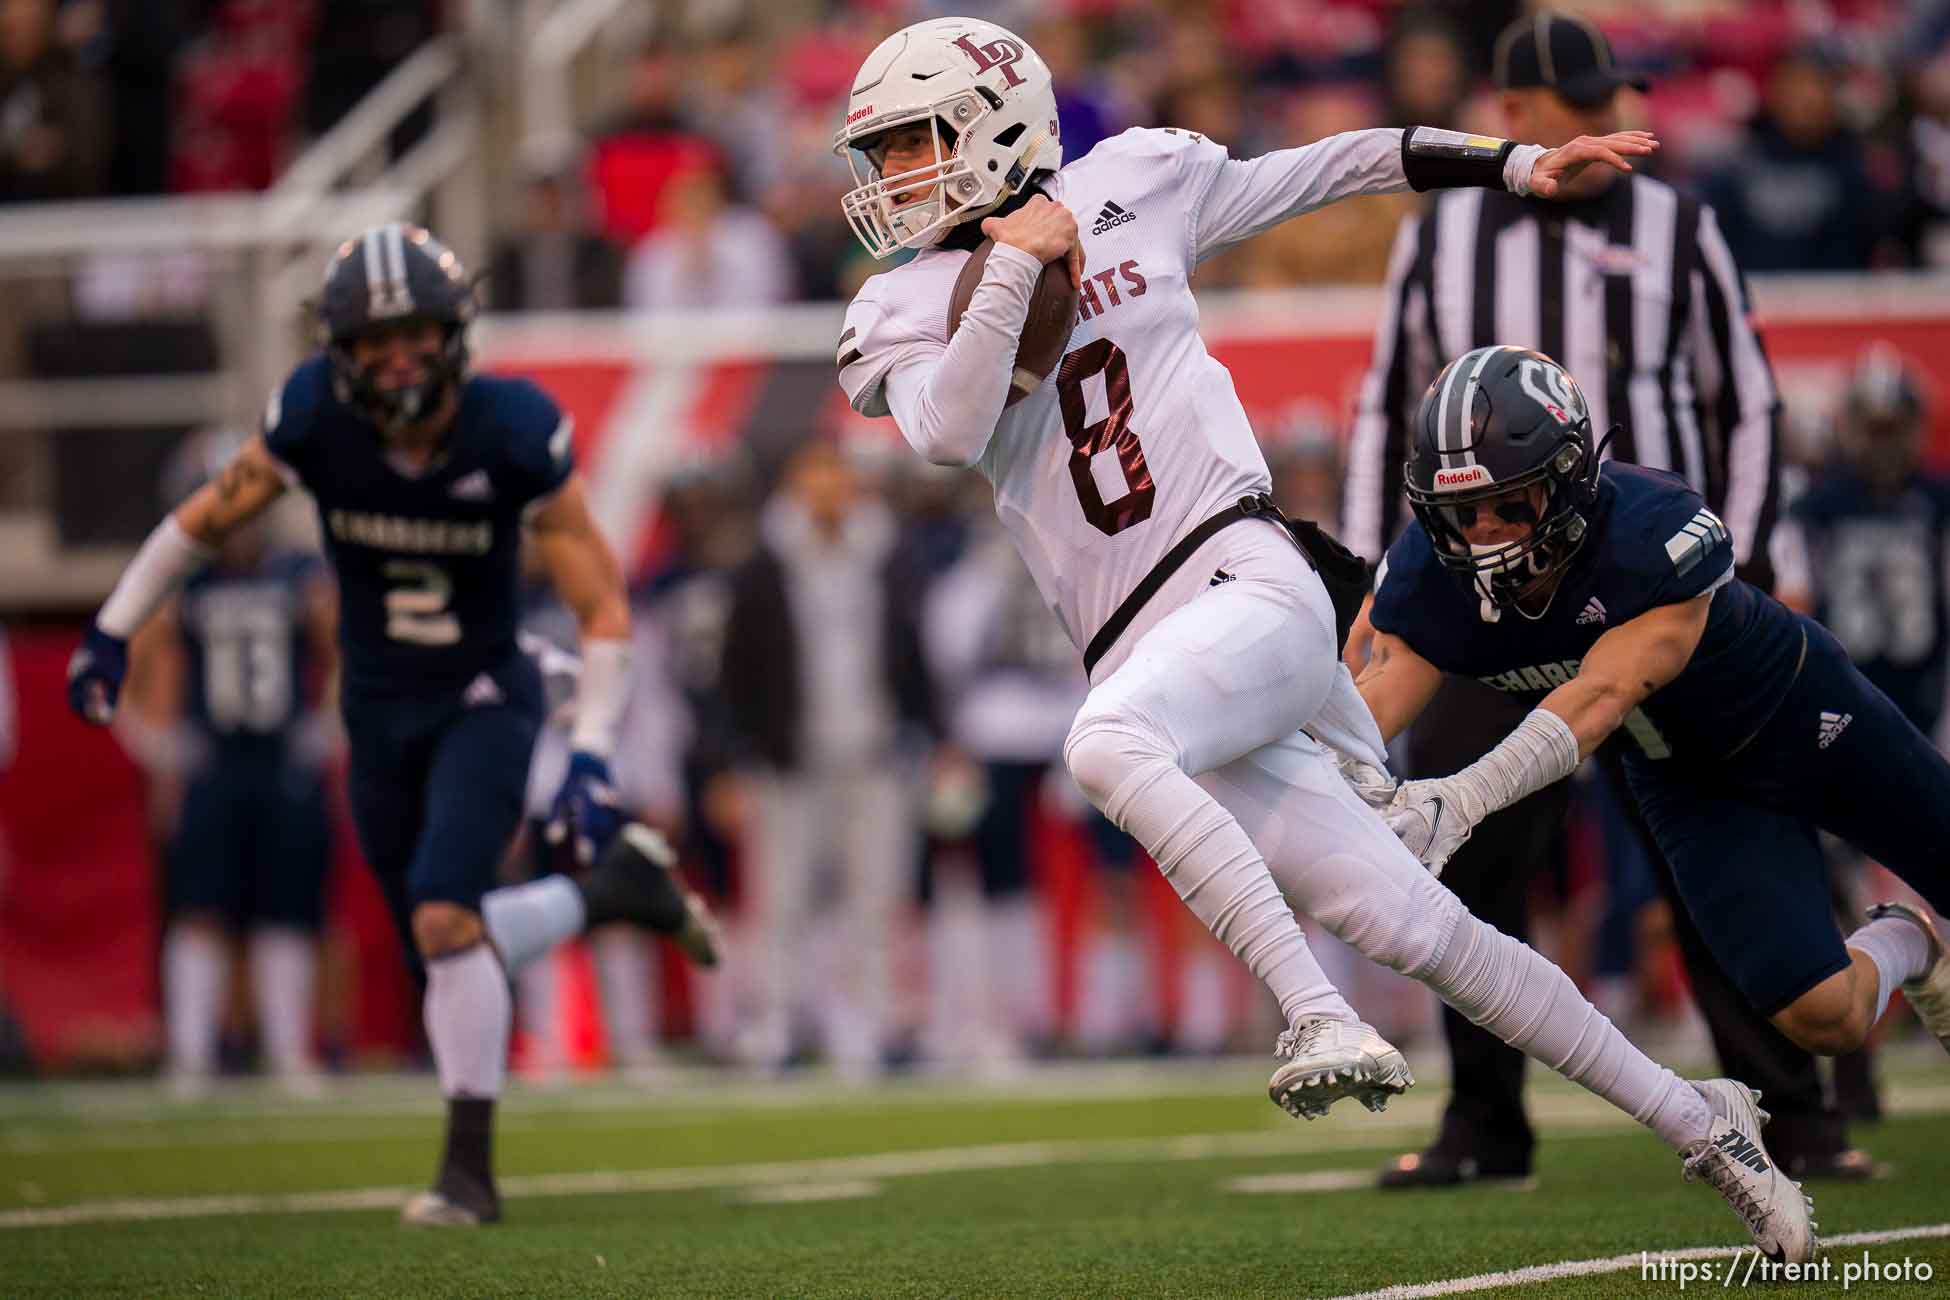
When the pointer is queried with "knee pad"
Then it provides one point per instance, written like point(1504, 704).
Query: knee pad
point(1404, 926)
point(1104, 751)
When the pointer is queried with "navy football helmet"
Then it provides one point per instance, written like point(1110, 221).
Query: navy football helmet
point(392, 274)
point(1883, 413)
point(1495, 422)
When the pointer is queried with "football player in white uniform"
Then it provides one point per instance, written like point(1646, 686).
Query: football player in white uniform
point(1191, 738)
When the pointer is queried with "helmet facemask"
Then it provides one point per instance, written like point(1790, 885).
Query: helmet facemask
point(947, 187)
point(393, 409)
point(1506, 574)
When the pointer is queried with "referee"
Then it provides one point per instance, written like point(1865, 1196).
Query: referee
point(1632, 288)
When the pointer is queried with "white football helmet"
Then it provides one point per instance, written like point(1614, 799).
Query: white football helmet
point(984, 94)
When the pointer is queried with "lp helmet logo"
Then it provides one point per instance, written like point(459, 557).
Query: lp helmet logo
point(1001, 53)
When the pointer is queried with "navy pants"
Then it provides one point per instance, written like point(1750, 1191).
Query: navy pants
point(1740, 833)
point(252, 842)
point(437, 783)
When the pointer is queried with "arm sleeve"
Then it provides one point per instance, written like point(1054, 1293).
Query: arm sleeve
point(1737, 394)
point(946, 398)
point(541, 442)
point(1402, 365)
point(1237, 200)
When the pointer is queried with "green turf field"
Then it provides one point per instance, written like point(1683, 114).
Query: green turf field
point(1081, 1181)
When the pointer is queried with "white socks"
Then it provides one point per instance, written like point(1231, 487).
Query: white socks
point(467, 1013)
point(1900, 951)
point(1507, 988)
point(525, 921)
point(1214, 867)
point(196, 984)
point(284, 980)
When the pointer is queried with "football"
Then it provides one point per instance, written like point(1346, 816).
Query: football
point(1046, 331)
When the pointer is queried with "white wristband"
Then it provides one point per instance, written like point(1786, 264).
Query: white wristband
point(166, 558)
point(601, 693)
point(1517, 167)
point(1541, 750)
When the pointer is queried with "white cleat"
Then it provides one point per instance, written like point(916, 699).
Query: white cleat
point(1928, 994)
point(1732, 1161)
point(1327, 1060)
point(432, 1210)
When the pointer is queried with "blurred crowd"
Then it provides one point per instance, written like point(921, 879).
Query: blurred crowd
point(125, 98)
point(1820, 131)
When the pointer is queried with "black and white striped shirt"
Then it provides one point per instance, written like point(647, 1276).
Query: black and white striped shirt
point(1634, 292)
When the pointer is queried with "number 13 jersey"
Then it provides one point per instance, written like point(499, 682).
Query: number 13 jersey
point(1138, 435)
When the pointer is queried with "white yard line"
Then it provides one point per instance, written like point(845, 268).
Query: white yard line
point(1644, 1261)
point(810, 1193)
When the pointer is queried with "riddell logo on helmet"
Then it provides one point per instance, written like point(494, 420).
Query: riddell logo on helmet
point(1456, 478)
point(999, 53)
point(859, 113)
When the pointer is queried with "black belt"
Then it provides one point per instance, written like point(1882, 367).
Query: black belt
point(1344, 573)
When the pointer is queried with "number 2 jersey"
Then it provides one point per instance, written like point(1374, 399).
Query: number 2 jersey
point(1652, 542)
point(427, 563)
point(1138, 435)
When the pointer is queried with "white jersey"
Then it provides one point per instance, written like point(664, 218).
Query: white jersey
point(1138, 435)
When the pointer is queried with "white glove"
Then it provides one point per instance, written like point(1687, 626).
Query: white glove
point(1430, 817)
point(1373, 784)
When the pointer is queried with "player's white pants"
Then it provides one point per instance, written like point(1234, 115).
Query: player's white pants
point(1241, 664)
point(860, 821)
point(1216, 691)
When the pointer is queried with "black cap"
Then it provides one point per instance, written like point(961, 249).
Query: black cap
point(1561, 53)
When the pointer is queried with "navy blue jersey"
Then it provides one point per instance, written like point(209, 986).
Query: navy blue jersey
point(427, 564)
point(1652, 542)
point(1877, 568)
point(249, 659)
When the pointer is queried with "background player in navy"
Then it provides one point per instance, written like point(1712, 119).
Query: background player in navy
point(223, 712)
point(1607, 598)
point(1866, 548)
point(426, 478)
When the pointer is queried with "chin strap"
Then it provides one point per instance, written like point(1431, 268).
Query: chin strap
point(967, 235)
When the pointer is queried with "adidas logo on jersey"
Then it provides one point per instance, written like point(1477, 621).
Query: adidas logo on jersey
point(481, 691)
point(1831, 726)
point(473, 486)
point(1594, 612)
point(1220, 576)
point(1111, 217)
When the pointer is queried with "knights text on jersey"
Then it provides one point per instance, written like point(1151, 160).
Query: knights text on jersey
point(1137, 436)
point(1652, 542)
point(427, 564)
point(246, 650)
point(1881, 570)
